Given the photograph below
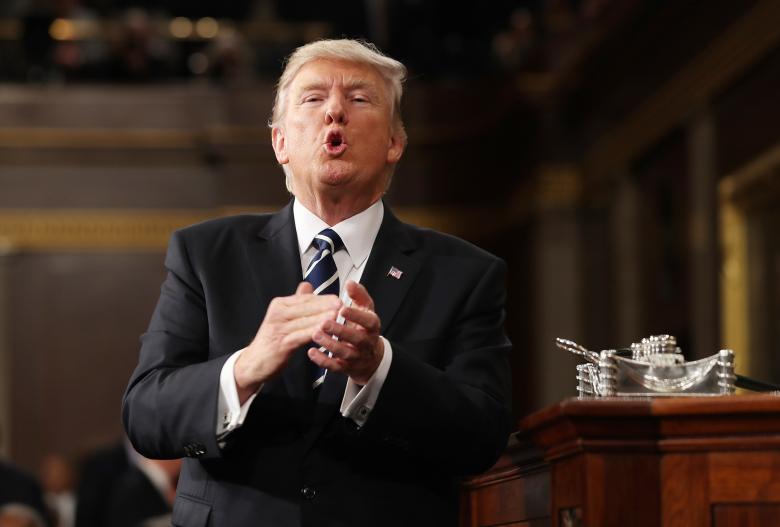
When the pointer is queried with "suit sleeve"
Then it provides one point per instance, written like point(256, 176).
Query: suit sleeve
point(457, 416)
point(169, 409)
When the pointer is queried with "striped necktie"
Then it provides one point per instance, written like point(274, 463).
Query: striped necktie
point(323, 275)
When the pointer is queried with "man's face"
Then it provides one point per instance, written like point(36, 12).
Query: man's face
point(337, 134)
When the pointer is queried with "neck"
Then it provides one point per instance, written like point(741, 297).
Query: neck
point(335, 210)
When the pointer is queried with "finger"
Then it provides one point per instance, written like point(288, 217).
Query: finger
point(323, 361)
point(310, 323)
point(297, 338)
point(304, 305)
point(366, 319)
point(344, 333)
point(304, 298)
point(313, 332)
point(341, 350)
point(359, 295)
point(304, 288)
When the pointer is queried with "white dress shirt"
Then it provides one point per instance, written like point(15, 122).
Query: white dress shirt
point(358, 234)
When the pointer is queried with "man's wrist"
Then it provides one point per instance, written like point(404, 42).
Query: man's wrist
point(245, 387)
point(362, 380)
point(358, 402)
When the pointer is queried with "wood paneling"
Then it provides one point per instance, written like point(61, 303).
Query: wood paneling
point(73, 341)
point(739, 515)
point(677, 462)
point(516, 491)
point(684, 490)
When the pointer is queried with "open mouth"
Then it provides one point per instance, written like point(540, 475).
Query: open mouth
point(335, 143)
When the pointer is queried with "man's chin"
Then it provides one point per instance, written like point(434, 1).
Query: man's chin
point(336, 178)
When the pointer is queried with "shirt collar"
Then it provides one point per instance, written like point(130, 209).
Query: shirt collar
point(358, 232)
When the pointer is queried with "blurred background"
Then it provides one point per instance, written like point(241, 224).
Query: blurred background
point(623, 156)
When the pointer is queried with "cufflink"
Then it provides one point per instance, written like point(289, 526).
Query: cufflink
point(194, 450)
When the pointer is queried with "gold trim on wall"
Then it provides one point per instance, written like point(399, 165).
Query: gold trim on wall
point(755, 183)
point(741, 192)
point(54, 230)
point(130, 138)
point(554, 187)
point(734, 285)
point(90, 230)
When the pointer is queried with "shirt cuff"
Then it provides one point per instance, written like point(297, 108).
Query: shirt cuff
point(358, 401)
point(230, 413)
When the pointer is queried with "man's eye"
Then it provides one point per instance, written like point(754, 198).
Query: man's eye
point(359, 99)
point(312, 98)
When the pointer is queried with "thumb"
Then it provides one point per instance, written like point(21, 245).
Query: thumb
point(359, 295)
point(304, 288)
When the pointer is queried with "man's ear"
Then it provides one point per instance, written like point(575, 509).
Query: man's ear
point(280, 145)
point(395, 148)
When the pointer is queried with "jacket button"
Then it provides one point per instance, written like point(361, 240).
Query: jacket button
point(308, 493)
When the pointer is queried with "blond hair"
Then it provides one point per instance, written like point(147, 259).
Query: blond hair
point(357, 51)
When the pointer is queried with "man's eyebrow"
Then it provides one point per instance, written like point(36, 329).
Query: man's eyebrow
point(359, 84)
point(349, 85)
point(312, 86)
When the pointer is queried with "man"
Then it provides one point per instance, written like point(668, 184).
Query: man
point(21, 499)
point(143, 494)
point(298, 407)
point(99, 473)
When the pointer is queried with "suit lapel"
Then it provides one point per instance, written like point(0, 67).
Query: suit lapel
point(274, 257)
point(394, 248)
point(276, 271)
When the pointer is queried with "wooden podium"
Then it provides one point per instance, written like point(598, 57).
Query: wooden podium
point(681, 462)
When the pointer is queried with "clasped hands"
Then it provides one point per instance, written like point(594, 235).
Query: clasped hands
point(303, 317)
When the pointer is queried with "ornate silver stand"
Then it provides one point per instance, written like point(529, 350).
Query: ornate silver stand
point(654, 367)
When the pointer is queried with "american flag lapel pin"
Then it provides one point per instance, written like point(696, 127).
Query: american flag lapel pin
point(395, 272)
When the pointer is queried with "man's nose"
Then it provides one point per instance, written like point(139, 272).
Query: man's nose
point(335, 112)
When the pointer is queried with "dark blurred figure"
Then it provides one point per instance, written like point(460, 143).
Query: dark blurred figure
point(137, 52)
point(229, 56)
point(120, 488)
point(77, 49)
point(512, 46)
point(11, 518)
point(37, 44)
point(58, 480)
point(143, 495)
point(99, 473)
point(21, 499)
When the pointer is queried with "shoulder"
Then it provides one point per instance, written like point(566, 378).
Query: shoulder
point(214, 239)
point(227, 232)
point(224, 226)
point(441, 244)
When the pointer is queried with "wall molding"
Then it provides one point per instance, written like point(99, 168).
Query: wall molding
point(131, 138)
point(741, 193)
point(99, 230)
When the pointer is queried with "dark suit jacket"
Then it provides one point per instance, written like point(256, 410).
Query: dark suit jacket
point(134, 499)
point(442, 412)
point(99, 473)
point(17, 487)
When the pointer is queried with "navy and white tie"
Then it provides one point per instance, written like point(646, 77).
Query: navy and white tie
point(323, 275)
